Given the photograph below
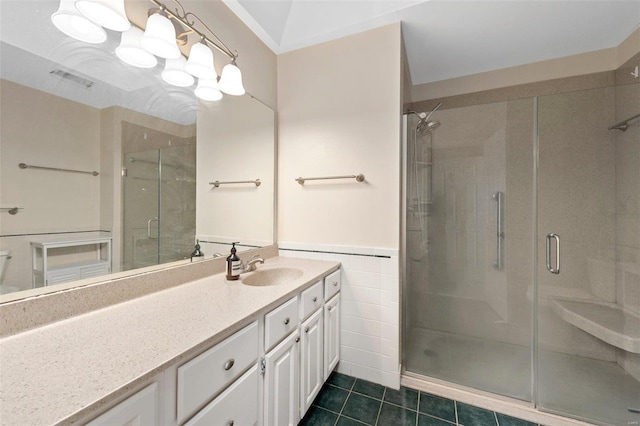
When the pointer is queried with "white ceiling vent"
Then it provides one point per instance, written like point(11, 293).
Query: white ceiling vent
point(72, 78)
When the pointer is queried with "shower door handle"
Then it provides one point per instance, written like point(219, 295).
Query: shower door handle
point(155, 219)
point(498, 197)
point(551, 269)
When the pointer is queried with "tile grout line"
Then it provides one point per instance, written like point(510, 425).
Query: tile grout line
point(345, 401)
point(381, 402)
point(455, 408)
point(418, 408)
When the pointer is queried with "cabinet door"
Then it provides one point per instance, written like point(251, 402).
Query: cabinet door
point(311, 360)
point(139, 410)
point(282, 378)
point(331, 335)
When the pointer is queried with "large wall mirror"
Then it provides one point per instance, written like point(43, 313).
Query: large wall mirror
point(69, 109)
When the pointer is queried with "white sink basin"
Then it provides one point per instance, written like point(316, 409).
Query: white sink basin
point(274, 276)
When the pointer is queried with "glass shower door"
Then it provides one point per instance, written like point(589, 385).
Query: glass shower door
point(141, 208)
point(469, 219)
point(588, 256)
point(159, 193)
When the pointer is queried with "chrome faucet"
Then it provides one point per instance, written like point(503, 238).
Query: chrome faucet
point(251, 265)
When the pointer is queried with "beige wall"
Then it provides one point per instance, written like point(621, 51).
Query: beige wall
point(66, 136)
point(576, 65)
point(42, 129)
point(235, 143)
point(339, 106)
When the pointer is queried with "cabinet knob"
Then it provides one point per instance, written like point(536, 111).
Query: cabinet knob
point(231, 422)
point(335, 284)
point(229, 364)
point(306, 330)
point(315, 299)
point(286, 321)
point(297, 339)
point(329, 308)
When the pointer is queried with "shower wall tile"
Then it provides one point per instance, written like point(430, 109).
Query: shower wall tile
point(577, 157)
point(370, 318)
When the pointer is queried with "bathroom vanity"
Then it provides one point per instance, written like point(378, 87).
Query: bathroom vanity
point(206, 352)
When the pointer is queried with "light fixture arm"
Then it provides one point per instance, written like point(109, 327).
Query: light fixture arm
point(188, 20)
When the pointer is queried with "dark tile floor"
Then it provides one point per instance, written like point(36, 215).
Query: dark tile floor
point(346, 401)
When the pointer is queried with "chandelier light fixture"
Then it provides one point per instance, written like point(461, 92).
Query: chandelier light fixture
point(165, 30)
point(72, 23)
point(175, 74)
point(131, 51)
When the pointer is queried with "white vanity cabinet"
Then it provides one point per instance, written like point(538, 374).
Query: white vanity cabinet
point(266, 374)
point(140, 409)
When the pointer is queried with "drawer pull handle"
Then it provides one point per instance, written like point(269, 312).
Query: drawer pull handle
point(315, 299)
point(306, 330)
point(229, 364)
point(286, 321)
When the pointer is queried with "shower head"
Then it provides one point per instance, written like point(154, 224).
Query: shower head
point(424, 125)
point(427, 126)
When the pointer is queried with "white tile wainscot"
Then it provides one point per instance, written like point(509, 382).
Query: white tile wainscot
point(370, 321)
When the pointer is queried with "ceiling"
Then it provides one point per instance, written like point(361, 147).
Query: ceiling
point(447, 38)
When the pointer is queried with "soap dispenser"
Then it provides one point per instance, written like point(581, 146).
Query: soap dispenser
point(234, 264)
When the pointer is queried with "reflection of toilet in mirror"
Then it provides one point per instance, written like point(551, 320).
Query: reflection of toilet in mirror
point(5, 255)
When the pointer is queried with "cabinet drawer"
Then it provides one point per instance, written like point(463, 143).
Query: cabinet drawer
point(331, 284)
point(238, 405)
point(204, 376)
point(139, 409)
point(310, 300)
point(280, 322)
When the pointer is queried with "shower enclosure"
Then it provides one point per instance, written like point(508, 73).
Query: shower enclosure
point(522, 251)
point(159, 201)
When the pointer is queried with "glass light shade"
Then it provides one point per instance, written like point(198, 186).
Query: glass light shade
point(131, 52)
point(207, 90)
point(231, 80)
point(68, 20)
point(174, 73)
point(160, 37)
point(200, 63)
point(107, 13)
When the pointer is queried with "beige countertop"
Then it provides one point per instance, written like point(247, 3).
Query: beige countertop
point(67, 370)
